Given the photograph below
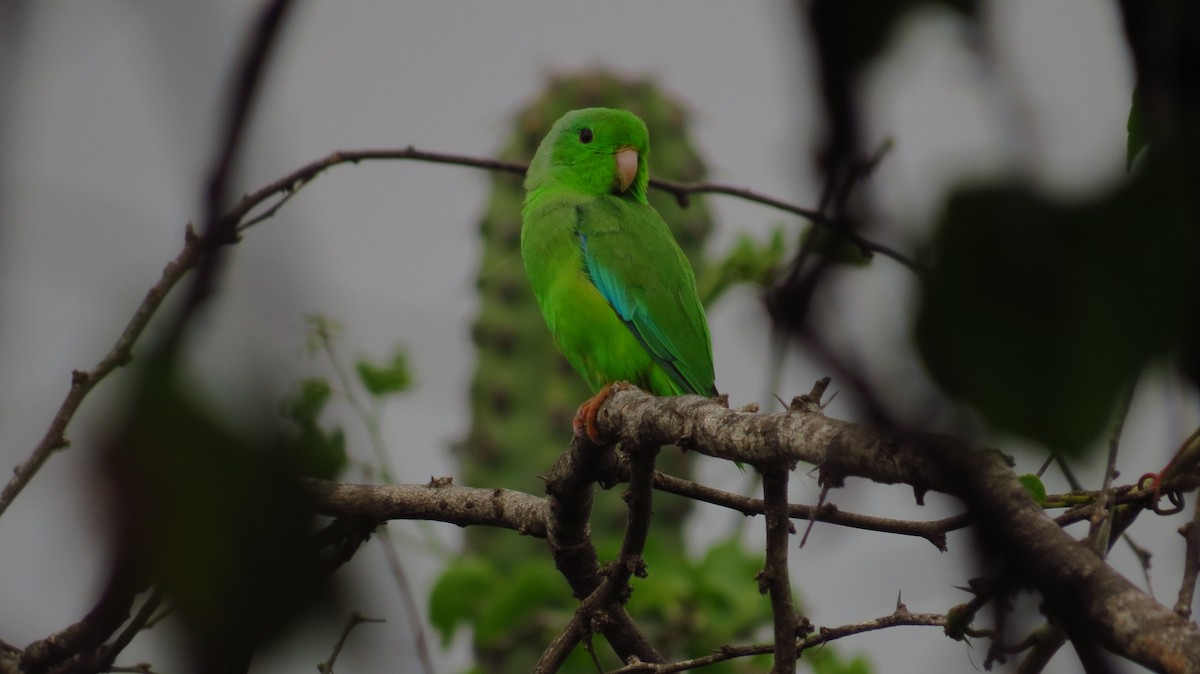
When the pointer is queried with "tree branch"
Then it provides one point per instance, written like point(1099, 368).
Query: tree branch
point(774, 579)
point(297, 179)
point(569, 494)
point(438, 501)
point(1078, 585)
point(614, 591)
point(1191, 564)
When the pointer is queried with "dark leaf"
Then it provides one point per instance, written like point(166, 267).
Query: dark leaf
point(1038, 312)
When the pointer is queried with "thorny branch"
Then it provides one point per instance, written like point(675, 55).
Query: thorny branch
point(1078, 586)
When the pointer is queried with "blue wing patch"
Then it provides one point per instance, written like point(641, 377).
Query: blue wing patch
point(641, 325)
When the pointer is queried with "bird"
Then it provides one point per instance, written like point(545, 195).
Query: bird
point(615, 290)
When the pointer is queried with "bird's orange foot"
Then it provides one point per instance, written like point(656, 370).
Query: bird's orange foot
point(585, 418)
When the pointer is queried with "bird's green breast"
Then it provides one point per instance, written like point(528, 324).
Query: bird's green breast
point(587, 330)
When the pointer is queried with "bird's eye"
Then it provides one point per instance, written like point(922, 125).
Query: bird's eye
point(585, 136)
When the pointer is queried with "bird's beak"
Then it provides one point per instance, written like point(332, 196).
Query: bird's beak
point(627, 166)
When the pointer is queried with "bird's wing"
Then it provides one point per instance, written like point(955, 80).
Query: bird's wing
point(632, 259)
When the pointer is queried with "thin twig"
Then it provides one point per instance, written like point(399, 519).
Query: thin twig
point(407, 597)
point(119, 355)
point(1101, 528)
point(933, 531)
point(1191, 564)
point(355, 620)
point(823, 636)
point(297, 179)
point(109, 652)
point(368, 418)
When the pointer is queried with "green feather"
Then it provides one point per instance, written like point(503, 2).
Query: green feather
point(614, 288)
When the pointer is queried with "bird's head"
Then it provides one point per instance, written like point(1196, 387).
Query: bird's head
point(595, 151)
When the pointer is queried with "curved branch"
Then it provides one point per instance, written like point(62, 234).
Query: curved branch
point(569, 494)
point(1079, 587)
point(614, 590)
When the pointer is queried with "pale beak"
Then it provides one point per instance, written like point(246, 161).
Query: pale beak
point(627, 166)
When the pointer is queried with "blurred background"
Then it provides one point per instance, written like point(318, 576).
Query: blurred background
point(108, 119)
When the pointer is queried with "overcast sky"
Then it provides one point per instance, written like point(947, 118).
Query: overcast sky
point(107, 123)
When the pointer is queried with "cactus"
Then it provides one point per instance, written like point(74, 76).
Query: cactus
point(524, 393)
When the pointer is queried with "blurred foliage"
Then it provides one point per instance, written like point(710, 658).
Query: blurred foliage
point(825, 660)
point(215, 514)
point(868, 25)
point(318, 452)
point(689, 607)
point(1039, 312)
point(385, 378)
point(748, 261)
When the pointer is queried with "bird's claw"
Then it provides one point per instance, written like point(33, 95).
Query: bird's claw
point(585, 419)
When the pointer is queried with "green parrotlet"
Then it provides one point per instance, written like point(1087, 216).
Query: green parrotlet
point(616, 291)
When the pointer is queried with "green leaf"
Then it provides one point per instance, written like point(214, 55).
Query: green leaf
point(748, 261)
point(538, 585)
point(825, 660)
point(1039, 312)
point(1033, 485)
point(1136, 128)
point(216, 515)
point(308, 402)
point(459, 593)
point(727, 588)
point(317, 452)
point(386, 378)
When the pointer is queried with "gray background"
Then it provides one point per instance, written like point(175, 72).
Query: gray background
point(107, 121)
